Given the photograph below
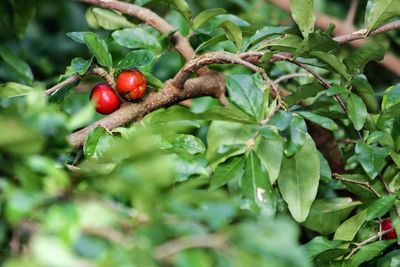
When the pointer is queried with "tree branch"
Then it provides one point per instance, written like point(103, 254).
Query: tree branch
point(55, 88)
point(181, 44)
point(210, 84)
point(362, 183)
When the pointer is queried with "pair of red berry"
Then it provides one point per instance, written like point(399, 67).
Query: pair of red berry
point(388, 225)
point(130, 84)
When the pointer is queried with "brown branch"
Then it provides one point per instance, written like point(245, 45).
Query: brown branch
point(210, 84)
point(181, 44)
point(290, 76)
point(74, 78)
point(390, 62)
point(197, 241)
point(362, 183)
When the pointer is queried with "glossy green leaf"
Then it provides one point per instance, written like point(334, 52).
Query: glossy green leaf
point(380, 11)
point(298, 134)
point(109, 19)
point(230, 170)
point(391, 97)
point(371, 158)
point(232, 32)
point(357, 111)
point(380, 207)
point(136, 38)
point(349, 228)
point(205, 15)
point(327, 214)
point(299, 178)
point(324, 122)
point(98, 47)
point(256, 186)
point(80, 65)
point(245, 94)
point(136, 58)
point(270, 152)
point(303, 13)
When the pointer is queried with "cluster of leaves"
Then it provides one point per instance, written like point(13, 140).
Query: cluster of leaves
point(206, 185)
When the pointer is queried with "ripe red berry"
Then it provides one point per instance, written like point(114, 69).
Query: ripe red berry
point(387, 225)
point(104, 98)
point(131, 84)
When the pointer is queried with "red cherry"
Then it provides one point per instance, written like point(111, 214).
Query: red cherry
point(387, 225)
point(131, 84)
point(104, 98)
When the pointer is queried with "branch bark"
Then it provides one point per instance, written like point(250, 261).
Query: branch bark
point(210, 84)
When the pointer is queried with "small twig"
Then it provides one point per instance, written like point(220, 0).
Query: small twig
point(290, 76)
point(362, 183)
point(385, 185)
point(366, 241)
point(55, 88)
point(197, 241)
point(351, 14)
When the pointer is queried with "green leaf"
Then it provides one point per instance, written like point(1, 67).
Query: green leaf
point(298, 133)
point(349, 228)
point(303, 14)
point(325, 169)
point(20, 67)
point(232, 32)
point(211, 24)
point(98, 47)
point(287, 43)
point(152, 80)
point(391, 259)
point(264, 33)
point(299, 178)
point(183, 8)
point(337, 90)
point(396, 133)
point(370, 251)
point(206, 15)
point(77, 36)
point(270, 152)
point(327, 214)
point(371, 158)
point(245, 94)
point(380, 207)
point(136, 38)
point(11, 89)
point(212, 41)
point(380, 11)
point(333, 62)
point(281, 120)
point(360, 82)
point(182, 143)
point(109, 19)
point(232, 169)
point(357, 60)
point(303, 92)
point(316, 41)
point(136, 58)
point(324, 122)
point(256, 186)
point(60, 94)
point(391, 98)
point(97, 143)
point(357, 111)
point(24, 12)
point(80, 65)
point(320, 244)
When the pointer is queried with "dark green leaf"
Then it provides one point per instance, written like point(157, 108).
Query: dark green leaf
point(360, 82)
point(303, 92)
point(136, 58)
point(357, 60)
point(99, 49)
point(20, 67)
point(299, 178)
point(371, 158)
point(316, 41)
point(337, 90)
point(357, 111)
point(320, 244)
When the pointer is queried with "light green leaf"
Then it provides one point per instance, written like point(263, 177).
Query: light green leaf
point(183, 8)
point(380, 11)
point(212, 41)
point(14, 89)
point(136, 38)
point(245, 94)
point(298, 133)
point(299, 178)
point(97, 143)
point(370, 251)
point(380, 207)
point(232, 32)
point(357, 111)
point(264, 33)
point(109, 19)
point(320, 244)
point(349, 228)
point(303, 13)
point(205, 15)
point(99, 49)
